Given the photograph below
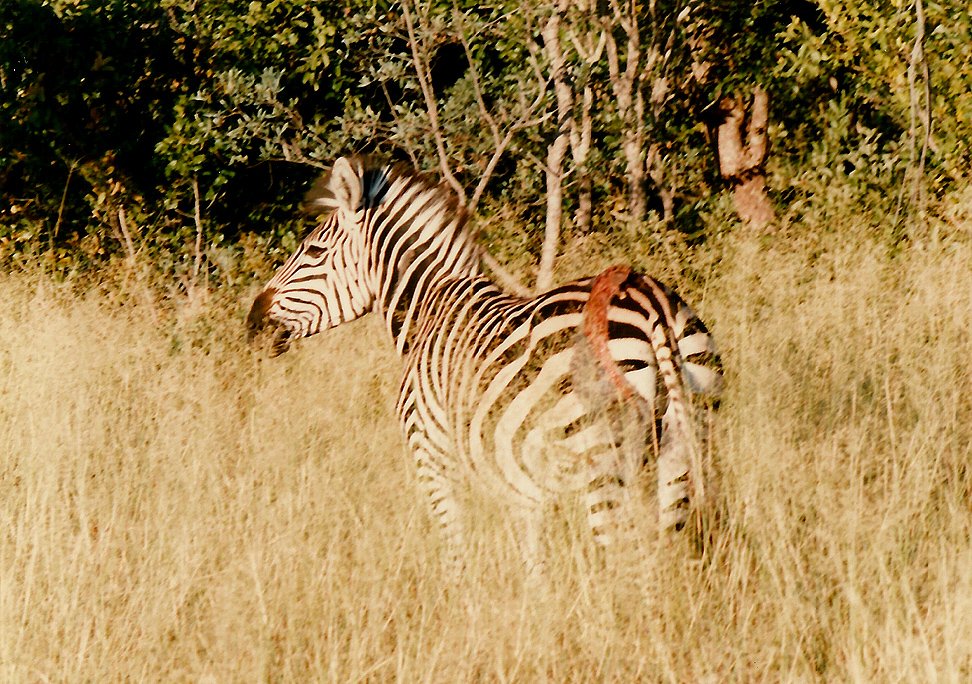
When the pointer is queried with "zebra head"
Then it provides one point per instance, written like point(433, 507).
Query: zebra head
point(389, 238)
point(326, 281)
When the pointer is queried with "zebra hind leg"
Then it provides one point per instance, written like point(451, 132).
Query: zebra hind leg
point(674, 475)
point(621, 419)
point(605, 500)
point(679, 467)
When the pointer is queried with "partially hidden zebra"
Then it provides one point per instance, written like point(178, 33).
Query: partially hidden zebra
point(570, 391)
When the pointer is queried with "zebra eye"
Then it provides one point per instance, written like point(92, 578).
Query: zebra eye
point(313, 251)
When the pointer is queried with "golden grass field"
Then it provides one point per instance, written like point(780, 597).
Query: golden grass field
point(176, 507)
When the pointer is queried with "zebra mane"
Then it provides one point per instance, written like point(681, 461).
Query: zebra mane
point(373, 179)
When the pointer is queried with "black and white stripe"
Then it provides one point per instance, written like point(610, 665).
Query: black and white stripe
point(525, 396)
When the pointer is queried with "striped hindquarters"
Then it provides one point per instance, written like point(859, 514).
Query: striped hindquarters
point(560, 393)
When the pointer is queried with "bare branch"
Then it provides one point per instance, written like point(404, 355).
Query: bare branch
point(589, 54)
point(533, 50)
point(756, 138)
point(398, 122)
point(60, 209)
point(500, 141)
point(919, 114)
point(458, 18)
point(123, 224)
point(627, 88)
point(924, 113)
point(197, 216)
point(656, 171)
point(551, 40)
point(621, 18)
point(419, 62)
point(742, 162)
point(506, 279)
point(580, 145)
point(498, 153)
point(551, 233)
point(523, 122)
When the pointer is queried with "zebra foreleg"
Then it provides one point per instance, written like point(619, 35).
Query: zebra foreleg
point(530, 518)
point(444, 506)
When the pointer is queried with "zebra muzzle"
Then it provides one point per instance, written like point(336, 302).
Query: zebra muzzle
point(280, 342)
point(256, 320)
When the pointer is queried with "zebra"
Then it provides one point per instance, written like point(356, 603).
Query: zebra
point(569, 391)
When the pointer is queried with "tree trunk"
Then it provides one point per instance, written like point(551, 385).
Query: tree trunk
point(626, 86)
point(557, 150)
point(555, 208)
point(742, 163)
point(589, 48)
point(656, 171)
point(633, 144)
point(580, 145)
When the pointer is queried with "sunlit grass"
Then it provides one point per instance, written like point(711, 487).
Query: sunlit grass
point(174, 506)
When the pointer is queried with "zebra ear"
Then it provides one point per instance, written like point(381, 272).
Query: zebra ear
point(346, 185)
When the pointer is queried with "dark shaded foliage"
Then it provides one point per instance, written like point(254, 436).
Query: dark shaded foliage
point(113, 114)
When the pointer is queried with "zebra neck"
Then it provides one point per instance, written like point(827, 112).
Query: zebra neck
point(419, 291)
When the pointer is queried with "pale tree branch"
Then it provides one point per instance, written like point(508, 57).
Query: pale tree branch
point(551, 40)
point(495, 157)
point(741, 162)
point(756, 139)
point(551, 234)
point(617, 84)
point(622, 18)
point(505, 278)
point(633, 58)
point(580, 145)
point(590, 55)
point(127, 236)
point(534, 50)
point(589, 48)
point(656, 171)
point(197, 217)
point(459, 20)
point(409, 148)
point(419, 63)
point(628, 20)
point(919, 113)
point(500, 141)
point(60, 209)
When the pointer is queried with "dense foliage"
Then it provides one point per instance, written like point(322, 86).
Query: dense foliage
point(186, 130)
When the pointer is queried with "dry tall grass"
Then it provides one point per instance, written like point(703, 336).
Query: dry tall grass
point(173, 507)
